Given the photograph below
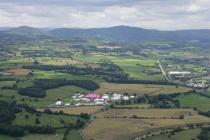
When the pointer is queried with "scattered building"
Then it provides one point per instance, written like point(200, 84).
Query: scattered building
point(92, 98)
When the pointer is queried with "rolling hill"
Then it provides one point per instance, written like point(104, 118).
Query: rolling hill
point(117, 34)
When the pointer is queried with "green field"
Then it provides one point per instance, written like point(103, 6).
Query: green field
point(4, 137)
point(42, 137)
point(45, 119)
point(7, 83)
point(136, 68)
point(194, 100)
point(74, 135)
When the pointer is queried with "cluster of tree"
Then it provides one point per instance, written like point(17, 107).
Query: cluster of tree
point(159, 101)
point(207, 114)
point(163, 101)
point(84, 116)
point(32, 92)
point(28, 108)
point(48, 111)
point(14, 131)
point(7, 79)
point(7, 115)
point(53, 83)
point(205, 134)
point(7, 111)
point(132, 81)
point(13, 87)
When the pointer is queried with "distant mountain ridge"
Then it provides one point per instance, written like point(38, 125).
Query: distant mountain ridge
point(22, 34)
point(117, 33)
point(133, 34)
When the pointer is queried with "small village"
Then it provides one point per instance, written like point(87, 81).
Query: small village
point(91, 99)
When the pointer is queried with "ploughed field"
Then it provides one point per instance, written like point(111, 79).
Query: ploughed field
point(19, 71)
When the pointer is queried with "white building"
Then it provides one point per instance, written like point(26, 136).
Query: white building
point(116, 97)
point(67, 104)
point(179, 73)
point(59, 103)
point(125, 98)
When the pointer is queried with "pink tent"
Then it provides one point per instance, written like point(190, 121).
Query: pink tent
point(92, 95)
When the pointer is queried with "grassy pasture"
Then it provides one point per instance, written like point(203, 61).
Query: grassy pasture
point(63, 92)
point(134, 68)
point(183, 135)
point(117, 129)
point(140, 89)
point(7, 83)
point(77, 110)
point(45, 119)
point(4, 137)
point(52, 95)
point(147, 113)
point(194, 100)
point(43, 137)
point(129, 61)
point(74, 135)
point(38, 74)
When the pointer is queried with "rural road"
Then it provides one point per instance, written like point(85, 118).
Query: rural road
point(163, 72)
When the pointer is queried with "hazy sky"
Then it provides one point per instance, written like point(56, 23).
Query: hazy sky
point(156, 14)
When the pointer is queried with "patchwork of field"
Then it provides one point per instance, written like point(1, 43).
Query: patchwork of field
point(117, 128)
point(113, 124)
point(76, 110)
point(140, 89)
point(147, 113)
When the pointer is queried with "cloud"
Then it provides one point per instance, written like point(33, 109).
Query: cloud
point(156, 14)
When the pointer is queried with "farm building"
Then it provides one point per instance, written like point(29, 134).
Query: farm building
point(179, 73)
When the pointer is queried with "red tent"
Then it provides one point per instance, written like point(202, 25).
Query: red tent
point(92, 95)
